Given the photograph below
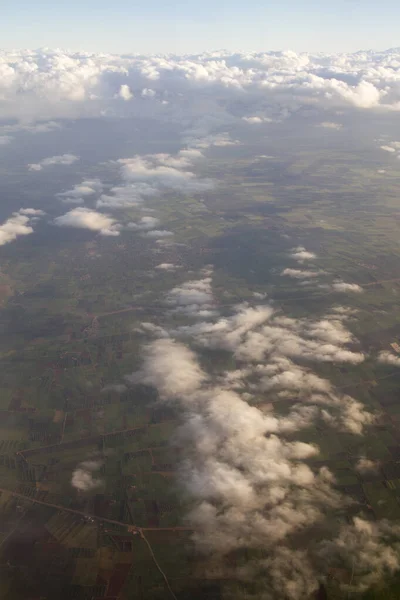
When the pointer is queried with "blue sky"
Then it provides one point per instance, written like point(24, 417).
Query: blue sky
point(185, 26)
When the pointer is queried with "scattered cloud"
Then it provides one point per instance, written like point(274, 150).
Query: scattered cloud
point(301, 274)
point(257, 120)
point(392, 148)
point(84, 218)
point(153, 175)
point(32, 212)
point(366, 466)
point(167, 267)
point(34, 128)
point(388, 358)
point(63, 159)
point(250, 477)
point(159, 233)
point(125, 92)
point(388, 149)
point(331, 125)
point(144, 224)
point(175, 371)
point(193, 298)
point(83, 479)
point(20, 223)
point(302, 255)
point(341, 286)
point(251, 484)
point(78, 192)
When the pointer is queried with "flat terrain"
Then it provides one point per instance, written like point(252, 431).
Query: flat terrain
point(72, 305)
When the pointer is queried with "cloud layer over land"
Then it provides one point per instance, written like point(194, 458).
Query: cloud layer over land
point(51, 84)
point(84, 218)
point(251, 476)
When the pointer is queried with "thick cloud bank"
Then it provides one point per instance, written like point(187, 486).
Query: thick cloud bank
point(51, 84)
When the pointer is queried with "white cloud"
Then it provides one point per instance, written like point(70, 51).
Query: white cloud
point(153, 175)
point(144, 224)
point(63, 159)
point(366, 466)
point(330, 125)
point(193, 298)
point(33, 212)
point(388, 358)
point(82, 478)
point(248, 475)
point(257, 120)
point(125, 93)
point(58, 84)
point(148, 93)
point(170, 367)
point(84, 218)
point(41, 127)
point(159, 233)
point(167, 267)
point(372, 550)
point(301, 274)
point(341, 286)
point(18, 224)
point(388, 149)
point(78, 192)
point(302, 255)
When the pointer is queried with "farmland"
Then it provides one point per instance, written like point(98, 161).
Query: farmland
point(71, 317)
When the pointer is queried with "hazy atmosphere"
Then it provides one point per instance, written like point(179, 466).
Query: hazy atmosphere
point(199, 287)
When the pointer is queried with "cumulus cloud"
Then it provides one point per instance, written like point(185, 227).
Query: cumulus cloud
point(84, 218)
point(301, 274)
point(144, 224)
point(159, 233)
point(18, 224)
point(78, 192)
point(366, 466)
point(252, 487)
point(388, 358)
point(371, 548)
point(167, 267)
point(193, 298)
point(388, 149)
point(302, 255)
point(83, 479)
point(59, 84)
point(125, 93)
point(32, 212)
point(341, 286)
point(40, 127)
point(331, 125)
point(63, 159)
point(153, 175)
point(171, 368)
point(255, 333)
point(257, 120)
point(250, 478)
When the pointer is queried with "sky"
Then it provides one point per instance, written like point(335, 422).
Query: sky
point(191, 26)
